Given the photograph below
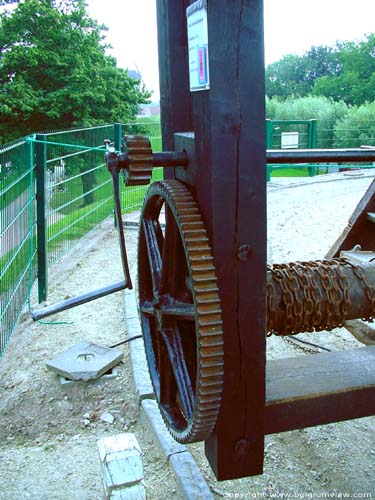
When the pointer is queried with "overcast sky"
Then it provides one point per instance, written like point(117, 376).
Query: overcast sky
point(291, 26)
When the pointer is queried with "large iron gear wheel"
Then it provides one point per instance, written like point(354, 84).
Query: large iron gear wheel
point(139, 159)
point(180, 311)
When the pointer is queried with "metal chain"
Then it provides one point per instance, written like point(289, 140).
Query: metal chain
point(315, 295)
point(370, 290)
point(271, 309)
point(287, 295)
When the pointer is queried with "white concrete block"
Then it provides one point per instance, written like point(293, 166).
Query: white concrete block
point(122, 466)
point(135, 492)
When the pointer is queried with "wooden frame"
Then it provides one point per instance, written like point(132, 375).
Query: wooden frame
point(223, 131)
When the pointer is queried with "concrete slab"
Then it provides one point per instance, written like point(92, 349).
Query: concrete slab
point(109, 375)
point(85, 361)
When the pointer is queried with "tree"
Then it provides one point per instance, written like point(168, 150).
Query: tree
point(322, 61)
point(54, 72)
point(355, 83)
point(287, 77)
point(295, 76)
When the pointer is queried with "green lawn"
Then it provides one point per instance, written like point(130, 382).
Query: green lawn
point(288, 171)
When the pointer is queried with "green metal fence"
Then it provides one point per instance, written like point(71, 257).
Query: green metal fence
point(55, 188)
point(17, 232)
point(66, 170)
point(291, 134)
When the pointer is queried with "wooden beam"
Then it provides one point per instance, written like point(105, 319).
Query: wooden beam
point(173, 71)
point(229, 125)
point(360, 229)
point(228, 122)
point(319, 389)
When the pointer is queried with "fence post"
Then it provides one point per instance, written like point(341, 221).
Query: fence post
point(269, 140)
point(312, 143)
point(41, 223)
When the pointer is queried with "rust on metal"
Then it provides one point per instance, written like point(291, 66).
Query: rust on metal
point(180, 312)
point(318, 295)
point(139, 160)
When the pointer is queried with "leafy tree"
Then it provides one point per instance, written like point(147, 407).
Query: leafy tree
point(355, 83)
point(322, 61)
point(295, 76)
point(286, 77)
point(54, 72)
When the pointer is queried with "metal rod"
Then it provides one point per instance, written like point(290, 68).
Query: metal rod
point(320, 155)
point(120, 227)
point(77, 301)
point(170, 159)
point(324, 297)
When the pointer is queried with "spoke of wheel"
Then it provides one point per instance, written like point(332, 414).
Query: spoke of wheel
point(176, 357)
point(179, 309)
point(170, 253)
point(147, 308)
point(167, 383)
point(154, 256)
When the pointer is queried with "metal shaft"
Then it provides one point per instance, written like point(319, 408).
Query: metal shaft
point(319, 295)
point(281, 156)
point(77, 301)
point(170, 159)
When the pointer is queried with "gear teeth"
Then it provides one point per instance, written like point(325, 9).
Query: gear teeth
point(140, 160)
point(208, 316)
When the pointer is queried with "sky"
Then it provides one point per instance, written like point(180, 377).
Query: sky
point(291, 27)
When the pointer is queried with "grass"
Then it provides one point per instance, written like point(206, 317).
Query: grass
point(82, 219)
point(17, 268)
point(71, 198)
point(287, 171)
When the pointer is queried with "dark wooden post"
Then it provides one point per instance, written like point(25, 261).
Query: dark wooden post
point(229, 125)
point(173, 71)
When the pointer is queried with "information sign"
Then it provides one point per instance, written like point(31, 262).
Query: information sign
point(197, 29)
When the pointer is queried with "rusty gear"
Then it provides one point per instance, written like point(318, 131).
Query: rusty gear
point(138, 171)
point(180, 312)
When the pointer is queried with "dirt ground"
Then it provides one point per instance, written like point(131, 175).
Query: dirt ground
point(49, 431)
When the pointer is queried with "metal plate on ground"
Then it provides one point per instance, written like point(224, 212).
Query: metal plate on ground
point(85, 361)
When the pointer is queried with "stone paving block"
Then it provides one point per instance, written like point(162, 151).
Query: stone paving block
point(166, 442)
point(85, 361)
point(122, 466)
point(191, 482)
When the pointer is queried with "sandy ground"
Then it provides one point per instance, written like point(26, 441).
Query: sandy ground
point(48, 432)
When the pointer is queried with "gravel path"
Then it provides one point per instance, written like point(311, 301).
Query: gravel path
point(48, 432)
